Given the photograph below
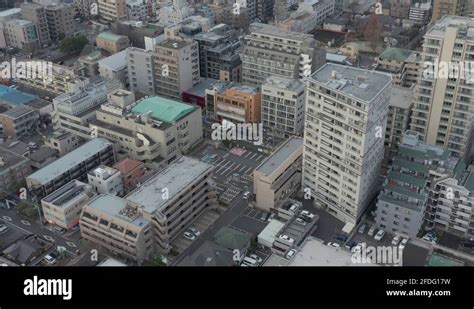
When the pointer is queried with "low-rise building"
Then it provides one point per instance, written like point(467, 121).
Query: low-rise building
point(73, 165)
point(105, 179)
point(19, 121)
point(111, 42)
point(132, 172)
point(115, 68)
point(63, 207)
point(403, 64)
point(279, 176)
point(13, 168)
point(62, 141)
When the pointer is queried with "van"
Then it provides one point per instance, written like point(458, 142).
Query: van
point(249, 261)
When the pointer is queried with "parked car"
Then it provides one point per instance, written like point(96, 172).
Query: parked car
point(371, 231)
point(396, 240)
point(380, 234)
point(300, 221)
point(195, 231)
point(468, 244)
point(333, 244)
point(264, 216)
point(350, 244)
point(50, 260)
point(362, 228)
point(293, 208)
point(340, 237)
point(430, 237)
point(287, 238)
point(3, 228)
point(257, 258)
point(307, 214)
point(249, 261)
point(403, 243)
point(246, 194)
point(189, 235)
point(290, 253)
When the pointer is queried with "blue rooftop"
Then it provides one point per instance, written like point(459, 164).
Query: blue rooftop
point(14, 97)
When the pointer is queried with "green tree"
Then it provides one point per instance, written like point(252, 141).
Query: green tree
point(26, 210)
point(73, 45)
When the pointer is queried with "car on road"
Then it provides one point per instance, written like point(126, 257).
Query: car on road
point(403, 243)
point(362, 228)
point(371, 231)
point(380, 234)
point(430, 237)
point(264, 216)
point(290, 253)
point(249, 261)
point(49, 260)
point(246, 194)
point(300, 221)
point(333, 245)
point(340, 237)
point(396, 240)
point(468, 243)
point(195, 231)
point(307, 214)
point(189, 235)
point(3, 228)
point(294, 208)
point(350, 244)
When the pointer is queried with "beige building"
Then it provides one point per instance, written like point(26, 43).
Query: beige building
point(113, 43)
point(443, 108)
point(153, 129)
point(279, 176)
point(112, 10)
point(450, 7)
point(403, 64)
point(36, 13)
point(176, 65)
point(56, 84)
point(150, 217)
point(346, 109)
point(62, 141)
point(63, 207)
point(19, 121)
point(20, 33)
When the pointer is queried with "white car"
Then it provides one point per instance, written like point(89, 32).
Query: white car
point(3, 228)
point(246, 194)
point(255, 257)
point(371, 231)
point(287, 238)
point(307, 214)
point(430, 238)
point(189, 235)
point(195, 231)
point(396, 240)
point(333, 245)
point(380, 234)
point(290, 254)
point(403, 243)
point(50, 260)
point(300, 221)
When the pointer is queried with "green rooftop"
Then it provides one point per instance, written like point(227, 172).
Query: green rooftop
point(424, 153)
point(398, 54)
point(394, 201)
point(469, 184)
point(110, 36)
point(403, 178)
point(402, 191)
point(459, 169)
point(163, 109)
point(412, 166)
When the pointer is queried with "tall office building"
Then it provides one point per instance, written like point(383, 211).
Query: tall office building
point(345, 120)
point(443, 108)
point(60, 18)
point(272, 52)
point(176, 65)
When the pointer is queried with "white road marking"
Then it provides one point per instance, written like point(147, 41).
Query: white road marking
point(253, 156)
point(247, 154)
point(71, 244)
point(243, 168)
point(48, 238)
point(24, 222)
point(7, 218)
point(260, 157)
point(248, 170)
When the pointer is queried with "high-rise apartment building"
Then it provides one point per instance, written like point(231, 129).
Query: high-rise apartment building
point(346, 116)
point(60, 18)
point(176, 65)
point(141, 70)
point(273, 52)
point(283, 106)
point(36, 13)
point(112, 10)
point(450, 7)
point(443, 108)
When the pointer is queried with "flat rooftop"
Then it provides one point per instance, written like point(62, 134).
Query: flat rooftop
point(71, 191)
point(163, 109)
point(284, 83)
point(111, 36)
point(439, 28)
point(281, 154)
point(176, 177)
point(10, 159)
point(119, 208)
point(68, 161)
point(115, 62)
point(14, 97)
point(401, 97)
point(273, 30)
point(362, 84)
point(200, 89)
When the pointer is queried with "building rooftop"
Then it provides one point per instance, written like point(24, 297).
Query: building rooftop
point(173, 44)
point(68, 161)
point(284, 83)
point(231, 239)
point(464, 23)
point(119, 208)
point(401, 97)
point(103, 172)
point(69, 193)
point(42, 154)
point(117, 61)
point(209, 254)
point(125, 166)
point(200, 89)
point(273, 30)
point(163, 109)
point(9, 159)
point(280, 155)
point(397, 54)
point(14, 97)
point(364, 85)
point(176, 177)
point(111, 36)
point(17, 112)
point(16, 146)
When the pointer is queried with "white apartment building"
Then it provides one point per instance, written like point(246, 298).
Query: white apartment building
point(63, 207)
point(105, 179)
point(141, 70)
point(75, 110)
point(115, 68)
point(174, 13)
point(138, 9)
point(443, 108)
point(346, 116)
point(176, 65)
point(283, 106)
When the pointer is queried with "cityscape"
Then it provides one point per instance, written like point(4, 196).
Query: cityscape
point(236, 133)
